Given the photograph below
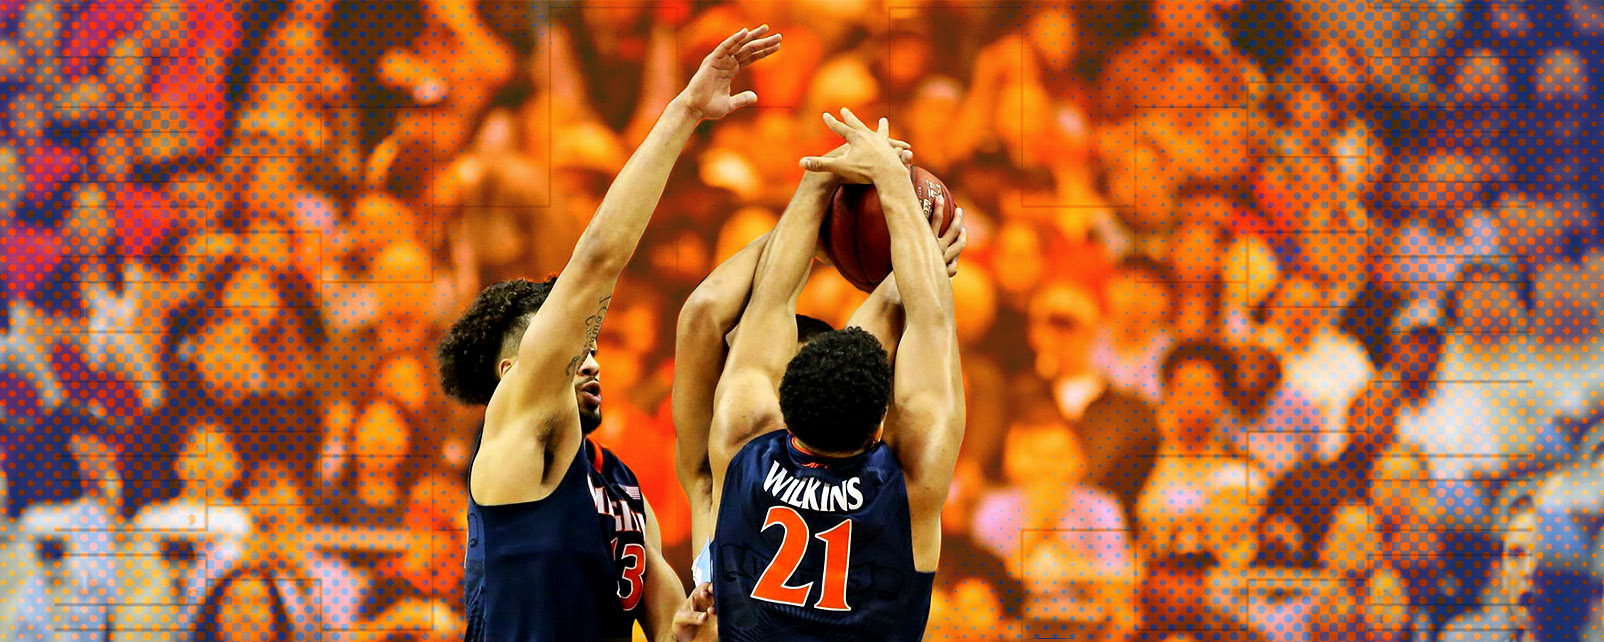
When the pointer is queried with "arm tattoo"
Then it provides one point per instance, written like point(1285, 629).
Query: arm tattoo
point(593, 325)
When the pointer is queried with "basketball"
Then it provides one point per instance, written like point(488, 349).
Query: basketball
point(855, 234)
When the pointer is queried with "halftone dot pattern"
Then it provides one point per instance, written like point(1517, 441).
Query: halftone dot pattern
point(193, 221)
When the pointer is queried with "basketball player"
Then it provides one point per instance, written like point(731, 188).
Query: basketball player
point(700, 346)
point(830, 528)
point(562, 546)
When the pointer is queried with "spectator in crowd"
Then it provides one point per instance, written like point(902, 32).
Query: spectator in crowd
point(209, 469)
point(1045, 467)
point(1139, 299)
point(1196, 250)
point(979, 596)
point(382, 462)
point(1069, 540)
point(248, 604)
point(1504, 615)
point(1062, 319)
point(318, 591)
point(64, 595)
point(179, 535)
point(1272, 422)
point(428, 568)
point(67, 503)
point(1316, 357)
point(1303, 504)
point(1407, 522)
point(1193, 465)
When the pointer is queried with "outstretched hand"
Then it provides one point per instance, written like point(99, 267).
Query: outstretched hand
point(695, 619)
point(707, 96)
point(868, 151)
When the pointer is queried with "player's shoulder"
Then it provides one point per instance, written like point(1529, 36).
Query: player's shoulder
point(765, 446)
point(881, 457)
point(609, 465)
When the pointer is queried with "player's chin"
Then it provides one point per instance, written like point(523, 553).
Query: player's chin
point(590, 417)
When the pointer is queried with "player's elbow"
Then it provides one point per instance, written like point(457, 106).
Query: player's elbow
point(692, 468)
point(704, 314)
point(926, 406)
point(596, 257)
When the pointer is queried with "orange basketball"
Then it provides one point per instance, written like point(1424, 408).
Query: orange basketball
point(855, 234)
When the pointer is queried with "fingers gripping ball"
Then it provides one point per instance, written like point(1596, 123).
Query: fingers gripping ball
point(855, 233)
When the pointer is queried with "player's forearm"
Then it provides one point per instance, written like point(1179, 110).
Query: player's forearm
point(715, 306)
point(916, 261)
point(664, 595)
point(768, 326)
point(615, 230)
point(709, 314)
point(783, 267)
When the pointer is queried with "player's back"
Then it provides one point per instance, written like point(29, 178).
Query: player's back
point(815, 548)
point(546, 570)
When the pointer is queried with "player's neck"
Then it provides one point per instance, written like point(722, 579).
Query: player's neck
point(815, 452)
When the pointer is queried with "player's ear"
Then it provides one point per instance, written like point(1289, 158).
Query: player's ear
point(503, 367)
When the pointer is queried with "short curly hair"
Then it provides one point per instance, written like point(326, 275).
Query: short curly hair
point(836, 389)
point(489, 331)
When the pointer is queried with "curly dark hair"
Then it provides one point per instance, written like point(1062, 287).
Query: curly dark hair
point(836, 390)
point(489, 331)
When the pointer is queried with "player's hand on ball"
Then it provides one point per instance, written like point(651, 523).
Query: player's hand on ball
point(695, 619)
point(708, 94)
point(903, 148)
point(868, 151)
point(954, 241)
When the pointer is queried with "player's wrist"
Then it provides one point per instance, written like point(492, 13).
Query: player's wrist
point(885, 176)
point(682, 111)
point(821, 180)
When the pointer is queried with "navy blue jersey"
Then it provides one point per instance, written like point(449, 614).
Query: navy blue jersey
point(815, 548)
point(570, 567)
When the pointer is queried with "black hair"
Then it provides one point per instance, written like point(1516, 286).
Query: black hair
point(836, 389)
point(1207, 352)
point(1188, 562)
point(809, 328)
point(41, 468)
point(208, 624)
point(1432, 335)
point(1148, 270)
point(1483, 272)
point(477, 341)
point(1151, 269)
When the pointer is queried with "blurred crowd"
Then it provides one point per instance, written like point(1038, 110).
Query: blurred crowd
point(1279, 318)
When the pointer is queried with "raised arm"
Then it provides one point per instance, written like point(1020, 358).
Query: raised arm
point(562, 333)
point(746, 402)
point(881, 314)
point(710, 312)
point(925, 423)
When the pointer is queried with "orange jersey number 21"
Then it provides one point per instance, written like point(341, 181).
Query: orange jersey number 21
point(773, 587)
